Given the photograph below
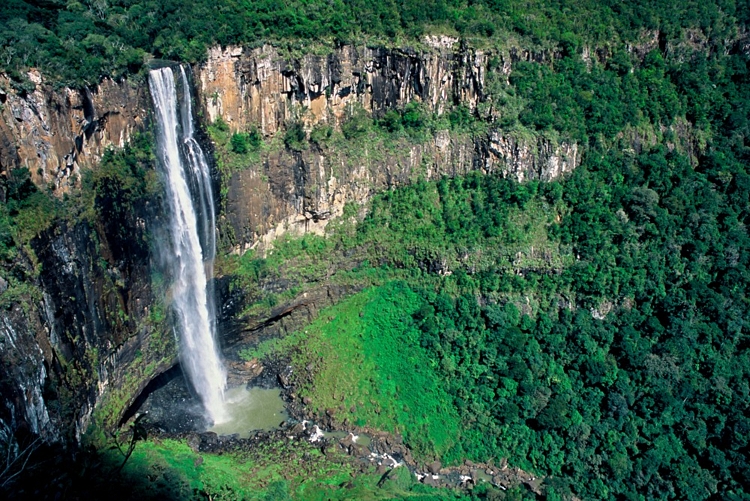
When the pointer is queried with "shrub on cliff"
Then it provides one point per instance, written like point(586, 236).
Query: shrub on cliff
point(242, 143)
point(358, 123)
point(295, 137)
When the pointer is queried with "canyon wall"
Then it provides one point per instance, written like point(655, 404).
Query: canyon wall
point(91, 330)
point(87, 332)
point(56, 133)
point(300, 191)
point(77, 330)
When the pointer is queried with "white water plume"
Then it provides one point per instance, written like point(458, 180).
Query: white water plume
point(191, 223)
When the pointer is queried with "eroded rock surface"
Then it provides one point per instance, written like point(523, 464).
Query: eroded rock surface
point(56, 133)
point(300, 192)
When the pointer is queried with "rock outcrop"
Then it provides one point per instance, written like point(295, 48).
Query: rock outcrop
point(248, 87)
point(56, 133)
point(298, 192)
point(84, 337)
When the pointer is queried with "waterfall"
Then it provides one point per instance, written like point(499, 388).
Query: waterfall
point(193, 242)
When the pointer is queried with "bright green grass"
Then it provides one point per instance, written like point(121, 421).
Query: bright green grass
point(169, 468)
point(368, 367)
point(285, 470)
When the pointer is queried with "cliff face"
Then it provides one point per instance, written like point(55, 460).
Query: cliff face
point(77, 332)
point(261, 87)
point(297, 192)
point(86, 336)
point(91, 333)
point(56, 133)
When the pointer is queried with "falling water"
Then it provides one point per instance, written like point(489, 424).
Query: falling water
point(191, 228)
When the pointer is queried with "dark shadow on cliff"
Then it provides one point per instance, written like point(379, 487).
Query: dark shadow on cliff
point(169, 404)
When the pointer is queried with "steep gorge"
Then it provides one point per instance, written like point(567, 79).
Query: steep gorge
point(90, 340)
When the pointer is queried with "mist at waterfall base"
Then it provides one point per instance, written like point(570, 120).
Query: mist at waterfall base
point(187, 253)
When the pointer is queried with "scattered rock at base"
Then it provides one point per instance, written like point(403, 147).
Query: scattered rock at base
point(194, 442)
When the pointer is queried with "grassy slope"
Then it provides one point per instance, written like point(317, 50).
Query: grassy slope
point(366, 365)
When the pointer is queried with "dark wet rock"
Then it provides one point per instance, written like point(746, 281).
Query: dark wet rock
point(209, 440)
point(242, 372)
point(431, 481)
point(347, 441)
point(359, 451)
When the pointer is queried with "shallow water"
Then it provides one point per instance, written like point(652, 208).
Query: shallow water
point(251, 409)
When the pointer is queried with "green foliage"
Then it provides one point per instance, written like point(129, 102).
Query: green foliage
point(242, 143)
point(27, 211)
point(277, 470)
point(115, 194)
point(295, 137)
point(358, 123)
point(125, 177)
point(220, 125)
point(413, 120)
point(77, 43)
point(590, 329)
point(234, 152)
point(460, 118)
point(321, 134)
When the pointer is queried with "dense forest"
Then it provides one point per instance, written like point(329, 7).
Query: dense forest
point(622, 375)
point(75, 43)
point(592, 330)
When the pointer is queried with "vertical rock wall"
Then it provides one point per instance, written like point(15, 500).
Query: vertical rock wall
point(56, 133)
point(298, 192)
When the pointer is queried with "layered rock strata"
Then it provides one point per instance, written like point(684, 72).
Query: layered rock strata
point(298, 192)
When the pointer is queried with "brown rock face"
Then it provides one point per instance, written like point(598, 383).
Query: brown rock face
point(260, 87)
point(299, 192)
point(56, 133)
